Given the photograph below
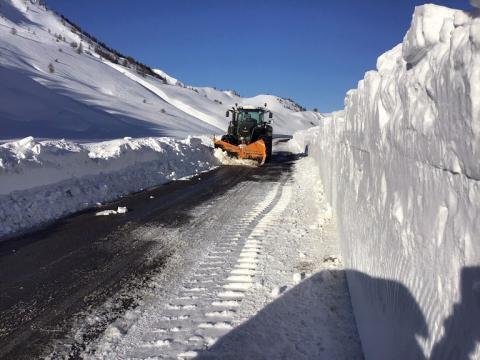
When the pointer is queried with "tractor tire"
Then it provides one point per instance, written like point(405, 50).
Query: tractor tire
point(230, 139)
point(268, 145)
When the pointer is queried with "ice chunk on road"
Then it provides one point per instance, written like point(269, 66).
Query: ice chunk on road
point(106, 213)
point(120, 210)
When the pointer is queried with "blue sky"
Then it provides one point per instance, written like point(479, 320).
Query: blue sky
point(310, 50)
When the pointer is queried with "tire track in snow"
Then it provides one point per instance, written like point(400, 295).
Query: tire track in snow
point(206, 305)
point(182, 250)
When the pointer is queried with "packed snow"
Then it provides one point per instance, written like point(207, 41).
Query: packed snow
point(400, 168)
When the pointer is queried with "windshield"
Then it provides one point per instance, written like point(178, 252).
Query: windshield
point(250, 117)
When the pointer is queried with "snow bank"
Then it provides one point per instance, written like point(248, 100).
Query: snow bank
point(400, 167)
point(43, 180)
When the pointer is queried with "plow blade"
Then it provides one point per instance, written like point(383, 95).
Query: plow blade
point(255, 151)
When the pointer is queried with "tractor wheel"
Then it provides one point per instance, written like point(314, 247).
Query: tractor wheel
point(229, 139)
point(268, 145)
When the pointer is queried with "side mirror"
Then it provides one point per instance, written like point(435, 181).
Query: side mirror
point(227, 114)
point(270, 115)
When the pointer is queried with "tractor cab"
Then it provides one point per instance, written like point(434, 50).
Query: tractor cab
point(254, 116)
point(248, 122)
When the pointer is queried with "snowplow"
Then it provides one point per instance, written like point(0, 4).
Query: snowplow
point(249, 134)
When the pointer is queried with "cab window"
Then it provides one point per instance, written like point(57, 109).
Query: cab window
point(251, 115)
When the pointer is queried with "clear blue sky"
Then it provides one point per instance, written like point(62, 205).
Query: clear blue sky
point(310, 50)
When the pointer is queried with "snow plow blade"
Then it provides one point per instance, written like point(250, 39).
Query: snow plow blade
point(255, 151)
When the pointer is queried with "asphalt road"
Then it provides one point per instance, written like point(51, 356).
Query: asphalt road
point(49, 278)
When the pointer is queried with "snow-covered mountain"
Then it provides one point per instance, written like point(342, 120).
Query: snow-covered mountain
point(60, 82)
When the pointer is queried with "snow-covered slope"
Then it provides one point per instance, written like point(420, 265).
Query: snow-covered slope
point(52, 88)
point(401, 168)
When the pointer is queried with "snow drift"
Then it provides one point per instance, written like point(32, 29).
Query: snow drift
point(44, 180)
point(400, 166)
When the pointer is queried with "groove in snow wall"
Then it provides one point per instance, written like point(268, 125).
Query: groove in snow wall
point(401, 168)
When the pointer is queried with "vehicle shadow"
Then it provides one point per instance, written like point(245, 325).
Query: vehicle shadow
point(313, 320)
point(462, 327)
point(302, 324)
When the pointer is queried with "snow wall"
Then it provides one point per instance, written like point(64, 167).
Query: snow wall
point(401, 167)
point(41, 181)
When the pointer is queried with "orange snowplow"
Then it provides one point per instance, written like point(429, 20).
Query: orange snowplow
point(249, 134)
point(255, 151)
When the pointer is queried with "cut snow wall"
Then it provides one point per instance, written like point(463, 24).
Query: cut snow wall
point(401, 168)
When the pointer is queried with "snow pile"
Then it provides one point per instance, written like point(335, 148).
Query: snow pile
point(400, 167)
point(43, 180)
point(225, 159)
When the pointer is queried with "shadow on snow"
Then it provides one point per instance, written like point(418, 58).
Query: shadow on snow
point(387, 316)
